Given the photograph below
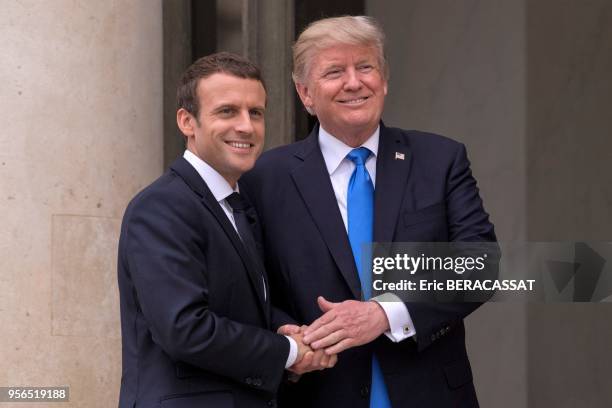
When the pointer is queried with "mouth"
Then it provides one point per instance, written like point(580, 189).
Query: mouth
point(240, 145)
point(354, 101)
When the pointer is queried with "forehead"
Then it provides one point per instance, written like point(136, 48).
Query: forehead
point(344, 53)
point(221, 89)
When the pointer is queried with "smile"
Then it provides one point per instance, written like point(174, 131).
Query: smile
point(354, 101)
point(240, 145)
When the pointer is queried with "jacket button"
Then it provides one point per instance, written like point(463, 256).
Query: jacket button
point(365, 391)
point(271, 403)
point(257, 382)
point(248, 380)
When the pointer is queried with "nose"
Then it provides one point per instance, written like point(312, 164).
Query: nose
point(352, 83)
point(244, 123)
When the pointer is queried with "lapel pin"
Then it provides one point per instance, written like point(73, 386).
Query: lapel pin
point(399, 156)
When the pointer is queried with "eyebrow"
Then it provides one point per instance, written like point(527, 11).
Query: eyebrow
point(224, 106)
point(369, 60)
point(334, 65)
point(234, 106)
point(330, 67)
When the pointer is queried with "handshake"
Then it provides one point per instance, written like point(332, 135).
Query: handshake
point(307, 359)
point(343, 325)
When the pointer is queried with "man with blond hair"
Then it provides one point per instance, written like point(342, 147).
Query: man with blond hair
point(354, 180)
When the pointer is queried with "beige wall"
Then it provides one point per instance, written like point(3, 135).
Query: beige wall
point(81, 132)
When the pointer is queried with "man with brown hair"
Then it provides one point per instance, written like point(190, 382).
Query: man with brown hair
point(195, 310)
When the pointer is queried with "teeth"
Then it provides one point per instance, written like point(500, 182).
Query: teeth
point(239, 145)
point(352, 101)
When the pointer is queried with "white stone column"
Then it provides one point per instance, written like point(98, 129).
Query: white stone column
point(81, 120)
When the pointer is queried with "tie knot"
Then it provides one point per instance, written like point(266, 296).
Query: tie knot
point(236, 202)
point(359, 155)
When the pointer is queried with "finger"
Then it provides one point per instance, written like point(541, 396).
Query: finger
point(322, 332)
point(324, 363)
point(325, 305)
point(340, 346)
point(333, 359)
point(288, 329)
point(306, 360)
point(323, 320)
point(316, 359)
point(329, 340)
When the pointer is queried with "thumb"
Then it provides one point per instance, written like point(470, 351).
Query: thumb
point(325, 305)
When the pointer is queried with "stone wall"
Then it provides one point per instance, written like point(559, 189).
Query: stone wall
point(81, 133)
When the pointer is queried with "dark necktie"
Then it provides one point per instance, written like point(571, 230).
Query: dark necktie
point(242, 222)
point(239, 208)
point(360, 216)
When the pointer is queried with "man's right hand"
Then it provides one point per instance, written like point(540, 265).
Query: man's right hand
point(307, 359)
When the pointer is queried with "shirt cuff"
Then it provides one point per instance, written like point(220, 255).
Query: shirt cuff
point(400, 323)
point(293, 352)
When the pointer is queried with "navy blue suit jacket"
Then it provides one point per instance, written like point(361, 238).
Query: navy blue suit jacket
point(194, 320)
point(428, 196)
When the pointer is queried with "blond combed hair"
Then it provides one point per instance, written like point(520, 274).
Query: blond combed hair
point(329, 32)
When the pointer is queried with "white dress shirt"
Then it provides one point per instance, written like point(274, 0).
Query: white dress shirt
point(221, 189)
point(340, 170)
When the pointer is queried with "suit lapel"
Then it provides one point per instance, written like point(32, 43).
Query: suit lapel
point(195, 182)
point(313, 183)
point(392, 171)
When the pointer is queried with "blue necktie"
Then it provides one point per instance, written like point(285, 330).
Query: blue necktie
point(360, 215)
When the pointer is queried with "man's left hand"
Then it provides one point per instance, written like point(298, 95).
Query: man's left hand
point(344, 325)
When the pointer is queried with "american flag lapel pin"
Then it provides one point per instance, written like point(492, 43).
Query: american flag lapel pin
point(399, 156)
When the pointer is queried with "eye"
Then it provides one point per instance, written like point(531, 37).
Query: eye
point(226, 111)
point(333, 73)
point(365, 68)
point(257, 113)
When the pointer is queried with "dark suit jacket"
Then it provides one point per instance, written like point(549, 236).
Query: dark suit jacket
point(193, 317)
point(427, 197)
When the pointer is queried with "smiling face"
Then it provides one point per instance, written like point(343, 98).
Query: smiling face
point(345, 87)
point(229, 133)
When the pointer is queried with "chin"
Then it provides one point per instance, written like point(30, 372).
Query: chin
point(356, 124)
point(244, 167)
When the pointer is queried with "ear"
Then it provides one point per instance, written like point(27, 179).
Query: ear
point(186, 122)
point(304, 93)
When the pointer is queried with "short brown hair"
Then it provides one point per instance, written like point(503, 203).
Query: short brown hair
point(221, 62)
point(328, 32)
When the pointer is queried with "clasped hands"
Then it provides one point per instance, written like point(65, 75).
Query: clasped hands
point(343, 325)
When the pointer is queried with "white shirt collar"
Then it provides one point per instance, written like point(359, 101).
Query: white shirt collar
point(219, 187)
point(334, 150)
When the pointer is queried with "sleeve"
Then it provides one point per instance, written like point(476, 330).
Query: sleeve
point(467, 222)
point(400, 322)
point(167, 265)
point(293, 352)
